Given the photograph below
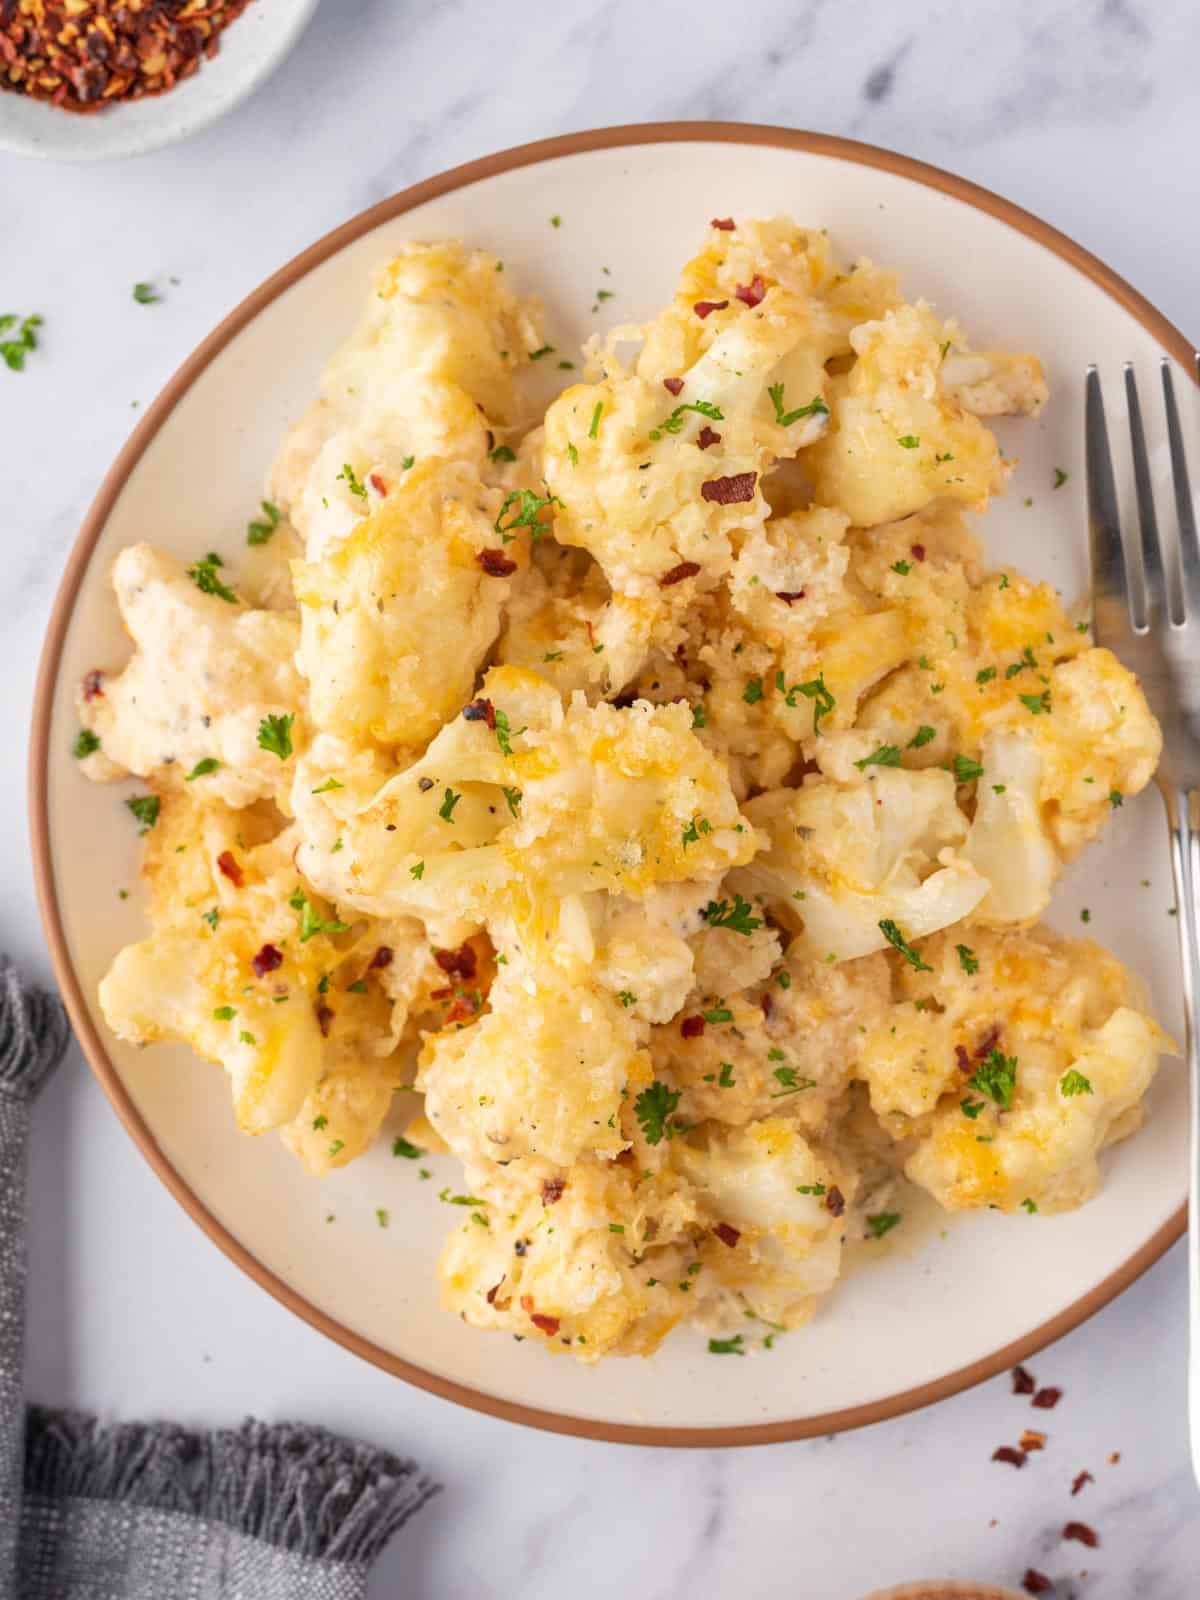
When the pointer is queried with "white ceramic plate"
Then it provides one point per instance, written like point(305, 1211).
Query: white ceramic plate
point(251, 48)
point(943, 1303)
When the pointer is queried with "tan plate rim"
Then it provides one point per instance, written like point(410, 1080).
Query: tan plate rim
point(93, 1046)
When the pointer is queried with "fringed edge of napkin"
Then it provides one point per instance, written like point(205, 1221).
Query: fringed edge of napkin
point(299, 1488)
point(34, 1033)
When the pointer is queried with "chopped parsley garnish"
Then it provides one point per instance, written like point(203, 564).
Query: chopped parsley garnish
point(985, 675)
point(449, 801)
point(753, 692)
point(460, 1199)
point(699, 720)
point(381, 1216)
point(145, 294)
point(815, 408)
point(718, 1014)
point(616, 1227)
point(996, 1077)
point(556, 222)
point(512, 797)
point(972, 1108)
point(1036, 704)
point(401, 1147)
point(503, 453)
point(1029, 1205)
point(896, 939)
point(359, 986)
point(572, 454)
point(407, 462)
point(260, 532)
point(888, 755)
point(418, 871)
point(202, 769)
point(652, 1108)
point(310, 923)
point(546, 350)
point(15, 348)
point(275, 735)
point(967, 958)
point(595, 422)
point(738, 917)
point(694, 829)
point(909, 441)
point(902, 568)
point(823, 701)
point(810, 1188)
point(1115, 798)
point(336, 1148)
point(552, 655)
point(784, 980)
point(224, 1014)
point(922, 736)
point(204, 576)
point(529, 506)
point(86, 744)
point(792, 1082)
point(1074, 1082)
point(726, 1078)
point(328, 786)
point(145, 808)
point(674, 423)
point(247, 1038)
point(1060, 477)
point(627, 998)
point(726, 1347)
point(212, 917)
point(320, 1121)
point(352, 480)
point(504, 733)
point(1028, 660)
point(882, 1222)
point(966, 770)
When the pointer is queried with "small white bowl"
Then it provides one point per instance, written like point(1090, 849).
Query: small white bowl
point(251, 48)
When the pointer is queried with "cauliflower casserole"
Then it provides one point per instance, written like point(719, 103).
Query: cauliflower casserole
point(662, 784)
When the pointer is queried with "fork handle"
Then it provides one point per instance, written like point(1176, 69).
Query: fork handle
point(1183, 821)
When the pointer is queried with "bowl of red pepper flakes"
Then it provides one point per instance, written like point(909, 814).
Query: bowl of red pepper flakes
point(88, 79)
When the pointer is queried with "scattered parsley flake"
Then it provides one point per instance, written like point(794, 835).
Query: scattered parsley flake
point(652, 1108)
point(319, 1122)
point(718, 1014)
point(145, 808)
point(738, 918)
point(449, 801)
point(816, 691)
point(985, 675)
point(810, 1188)
point(275, 735)
point(882, 1222)
point(792, 1082)
point(627, 998)
point(753, 692)
point(966, 770)
point(537, 355)
point(529, 507)
point(336, 1148)
point(15, 348)
point(1074, 1082)
point(896, 939)
point(401, 1147)
point(967, 959)
point(1036, 704)
point(359, 986)
point(224, 1014)
point(503, 453)
point(726, 1079)
point(972, 1108)
point(888, 755)
point(204, 576)
point(902, 568)
point(909, 441)
point(351, 479)
point(996, 1077)
point(260, 532)
point(202, 769)
point(145, 294)
point(674, 423)
point(512, 798)
point(247, 1038)
point(1060, 477)
point(595, 422)
point(1115, 798)
point(327, 787)
point(815, 408)
point(86, 744)
point(418, 871)
point(1029, 1205)
point(922, 736)
point(726, 1347)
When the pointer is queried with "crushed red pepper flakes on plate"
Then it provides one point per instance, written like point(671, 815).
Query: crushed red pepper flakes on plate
point(1080, 1532)
point(726, 224)
point(84, 55)
point(228, 867)
point(835, 1201)
point(1080, 1479)
point(495, 563)
point(676, 574)
point(691, 1027)
point(707, 436)
point(727, 1234)
point(267, 959)
point(1031, 1439)
point(751, 293)
point(92, 685)
point(1007, 1453)
point(552, 1190)
point(705, 308)
point(461, 963)
point(1046, 1399)
point(1023, 1382)
point(548, 1325)
point(1035, 1582)
point(730, 491)
point(673, 386)
point(1114, 1458)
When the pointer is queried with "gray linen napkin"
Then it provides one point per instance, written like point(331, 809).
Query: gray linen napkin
point(151, 1511)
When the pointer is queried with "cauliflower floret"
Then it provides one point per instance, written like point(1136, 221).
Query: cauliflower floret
point(1013, 1060)
point(845, 860)
point(427, 373)
point(899, 440)
point(204, 674)
point(993, 383)
point(396, 618)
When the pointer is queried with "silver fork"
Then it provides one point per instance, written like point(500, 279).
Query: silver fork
point(1146, 610)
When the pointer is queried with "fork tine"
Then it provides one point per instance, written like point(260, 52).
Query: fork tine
point(1189, 542)
point(1148, 596)
point(1109, 587)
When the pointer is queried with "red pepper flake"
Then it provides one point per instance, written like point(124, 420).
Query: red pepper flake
point(1046, 1399)
point(1114, 1458)
point(727, 1234)
point(789, 595)
point(1014, 1458)
point(324, 1018)
point(767, 1004)
point(480, 711)
point(442, 994)
point(726, 224)
point(963, 1059)
point(548, 1325)
point(267, 959)
point(382, 956)
point(377, 483)
point(466, 1006)
point(730, 491)
point(1031, 1439)
point(92, 685)
point(460, 963)
point(495, 563)
point(526, 1300)
point(552, 1190)
point(988, 1043)
point(1082, 1533)
point(1080, 1479)
point(707, 436)
point(691, 1027)
point(705, 308)
point(835, 1201)
point(673, 386)
point(1023, 1382)
point(1035, 1582)
point(494, 1291)
point(676, 574)
point(751, 293)
point(918, 551)
point(228, 867)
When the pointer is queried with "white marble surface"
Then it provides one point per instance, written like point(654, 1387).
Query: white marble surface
point(1085, 113)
